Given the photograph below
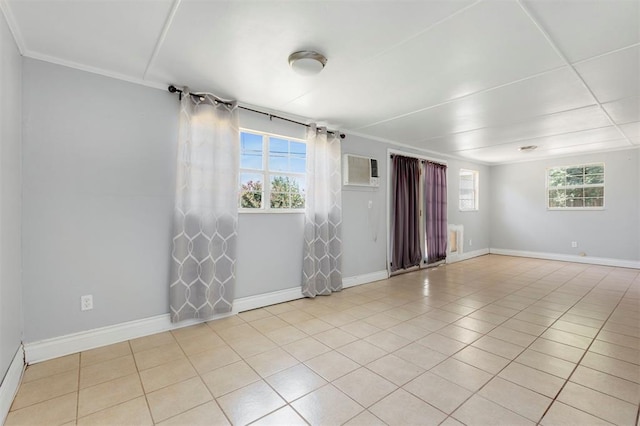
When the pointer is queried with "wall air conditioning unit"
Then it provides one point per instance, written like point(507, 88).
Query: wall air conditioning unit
point(360, 171)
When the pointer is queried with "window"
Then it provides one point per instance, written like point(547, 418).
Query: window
point(576, 187)
point(468, 190)
point(279, 161)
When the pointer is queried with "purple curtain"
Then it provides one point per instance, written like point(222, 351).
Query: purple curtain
point(405, 216)
point(436, 211)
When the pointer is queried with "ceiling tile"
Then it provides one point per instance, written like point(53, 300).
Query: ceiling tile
point(487, 45)
point(114, 36)
point(240, 49)
point(549, 125)
point(548, 93)
point(586, 28)
point(632, 130)
point(613, 76)
point(624, 110)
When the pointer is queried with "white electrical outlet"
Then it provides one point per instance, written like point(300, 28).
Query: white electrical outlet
point(574, 244)
point(86, 302)
point(470, 242)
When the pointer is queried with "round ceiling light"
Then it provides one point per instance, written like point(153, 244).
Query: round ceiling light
point(307, 62)
point(528, 148)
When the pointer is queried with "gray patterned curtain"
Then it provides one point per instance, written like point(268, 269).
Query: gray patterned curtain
point(405, 213)
point(436, 211)
point(203, 257)
point(322, 264)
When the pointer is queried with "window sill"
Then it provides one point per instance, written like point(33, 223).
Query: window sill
point(260, 211)
point(562, 209)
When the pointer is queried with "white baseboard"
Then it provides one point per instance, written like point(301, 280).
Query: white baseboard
point(91, 339)
point(453, 258)
point(261, 300)
point(11, 383)
point(620, 263)
point(364, 279)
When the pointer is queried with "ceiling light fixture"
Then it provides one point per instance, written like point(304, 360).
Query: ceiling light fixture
point(307, 62)
point(528, 148)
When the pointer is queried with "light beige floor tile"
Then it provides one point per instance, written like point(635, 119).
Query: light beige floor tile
point(105, 395)
point(571, 327)
point(270, 362)
point(279, 308)
point(199, 330)
point(450, 421)
point(46, 388)
point(134, 412)
point(206, 414)
point(51, 367)
point(460, 334)
point(158, 356)
point(429, 324)
point(54, 411)
point(558, 350)
point(395, 369)
point(229, 378)
point(498, 347)
point(152, 341)
point(598, 404)
point(409, 331)
point(402, 408)
point(518, 399)
point(285, 335)
point(272, 323)
point(547, 363)
point(462, 374)
point(335, 338)
point(382, 321)
point(284, 416)
point(441, 344)
point(104, 353)
point(489, 317)
point(167, 374)
point(214, 359)
point(255, 314)
point(619, 339)
point(338, 319)
point(564, 415)
point(536, 380)
point(570, 339)
point(331, 365)
point(483, 360)
point(442, 394)
point(306, 348)
point(533, 318)
point(238, 332)
point(177, 398)
point(252, 346)
point(327, 406)
point(615, 351)
point(295, 317)
point(512, 336)
point(421, 356)
point(222, 323)
point(313, 326)
point(360, 329)
point(605, 383)
point(105, 371)
point(615, 367)
point(482, 412)
point(295, 382)
point(365, 419)
point(364, 386)
point(196, 344)
point(476, 325)
point(249, 403)
point(580, 320)
point(362, 352)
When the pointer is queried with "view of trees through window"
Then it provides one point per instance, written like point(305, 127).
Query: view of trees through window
point(279, 161)
point(576, 186)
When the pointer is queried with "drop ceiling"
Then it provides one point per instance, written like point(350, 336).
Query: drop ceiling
point(471, 79)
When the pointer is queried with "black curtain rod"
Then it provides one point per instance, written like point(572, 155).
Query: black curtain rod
point(174, 89)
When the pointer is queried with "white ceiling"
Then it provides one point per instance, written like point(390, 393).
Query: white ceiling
point(473, 79)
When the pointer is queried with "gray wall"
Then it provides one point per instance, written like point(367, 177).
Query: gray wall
point(10, 198)
point(521, 221)
point(99, 161)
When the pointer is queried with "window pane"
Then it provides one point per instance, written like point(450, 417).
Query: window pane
point(575, 202)
point(298, 165)
point(575, 171)
point(575, 193)
point(250, 151)
point(298, 149)
point(594, 202)
point(575, 180)
point(251, 190)
point(594, 192)
point(593, 179)
point(557, 177)
point(594, 170)
point(287, 192)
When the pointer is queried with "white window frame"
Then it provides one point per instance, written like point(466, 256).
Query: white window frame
point(476, 190)
point(583, 186)
point(266, 174)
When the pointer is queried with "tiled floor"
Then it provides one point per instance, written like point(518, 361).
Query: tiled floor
point(493, 340)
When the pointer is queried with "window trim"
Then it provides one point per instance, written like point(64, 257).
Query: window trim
point(266, 174)
point(562, 209)
point(476, 190)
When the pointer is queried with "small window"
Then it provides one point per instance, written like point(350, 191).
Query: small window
point(272, 173)
point(468, 190)
point(576, 187)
